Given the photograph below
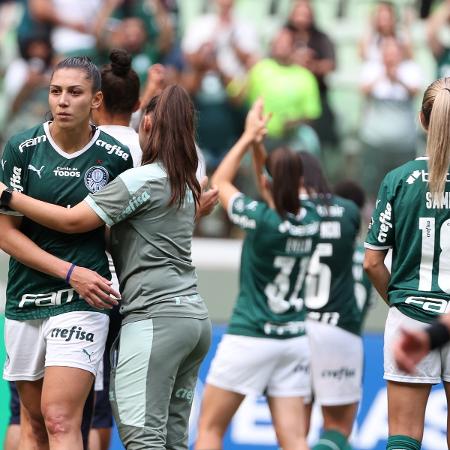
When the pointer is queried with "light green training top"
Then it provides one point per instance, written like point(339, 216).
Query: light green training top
point(290, 93)
point(150, 245)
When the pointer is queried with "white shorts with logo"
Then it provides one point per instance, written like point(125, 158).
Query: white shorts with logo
point(254, 366)
point(431, 370)
point(336, 364)
point(75, 339)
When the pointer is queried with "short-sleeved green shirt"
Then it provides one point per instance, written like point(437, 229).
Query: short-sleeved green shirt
point(274, 259)
point(410, 222)
point(290, 93)
point(150, 244)
point(33, 163)
point(330, 287)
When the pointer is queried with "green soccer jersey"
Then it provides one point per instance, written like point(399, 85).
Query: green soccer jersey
point(274, 259)
point(33, 163)
point(329, 284)
point(416, 227)
point(150, 245)
point(363, 286)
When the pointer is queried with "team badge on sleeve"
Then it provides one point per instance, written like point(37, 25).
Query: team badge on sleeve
point(96, 178)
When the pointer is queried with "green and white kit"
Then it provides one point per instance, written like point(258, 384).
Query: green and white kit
point(417, 228)
point(274, 260)
point(329, 285)
point(33, 163)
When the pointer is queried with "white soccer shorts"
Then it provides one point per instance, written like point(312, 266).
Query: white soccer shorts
point(75, 339)
point(256, 366)
point(336, 364)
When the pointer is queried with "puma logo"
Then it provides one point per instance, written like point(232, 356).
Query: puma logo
point(32, 168)
point(87, 354)
point(3, 164)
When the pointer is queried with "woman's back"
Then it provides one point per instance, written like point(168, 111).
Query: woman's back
point(409, 221)
point(330, 295)
point(151, 244)
point(274, 260)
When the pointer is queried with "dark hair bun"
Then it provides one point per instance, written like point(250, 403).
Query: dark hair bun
point(120, 62)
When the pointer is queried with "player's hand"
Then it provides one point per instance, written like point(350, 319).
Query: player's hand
point(93, 288)
point(208, 198)
point(256, 121)
point(410, 348)
point(156, 74)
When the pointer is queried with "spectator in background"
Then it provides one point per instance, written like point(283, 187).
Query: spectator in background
point(440, 49)
point(315, 51)
point(384, 25)
point(425, 8)
point(388, 123)
point(26, 84)
point(131, 35)
point(218, 47)
point(234, 41)
point(290, 93)
point(72, 23)
point(143, 28)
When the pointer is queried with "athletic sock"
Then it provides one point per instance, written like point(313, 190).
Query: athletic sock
point(400, 442)
point(331, 440)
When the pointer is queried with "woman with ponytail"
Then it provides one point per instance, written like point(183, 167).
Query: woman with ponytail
point(334, 318)
point(265, 350)
point(412, 217)
point(165, 332)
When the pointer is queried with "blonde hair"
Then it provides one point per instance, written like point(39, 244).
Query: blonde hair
point(436, 119)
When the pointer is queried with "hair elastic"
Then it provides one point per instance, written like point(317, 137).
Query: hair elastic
point(69, 273)
point(438, 333)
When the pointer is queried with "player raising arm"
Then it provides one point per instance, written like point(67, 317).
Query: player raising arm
point(265, 350)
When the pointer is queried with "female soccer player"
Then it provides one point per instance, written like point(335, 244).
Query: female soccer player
point(412, 217)
point(152, 213)
point(334, 319)
point(265, 350)
point(55, 328)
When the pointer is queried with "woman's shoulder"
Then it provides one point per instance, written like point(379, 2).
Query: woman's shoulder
point(147, 173)
point(409, 173)
point(28, 138)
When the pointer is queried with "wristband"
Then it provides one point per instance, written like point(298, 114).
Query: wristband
point(438, 334)
point(69, 273)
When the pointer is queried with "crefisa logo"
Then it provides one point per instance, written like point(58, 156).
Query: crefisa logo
point(96, 178)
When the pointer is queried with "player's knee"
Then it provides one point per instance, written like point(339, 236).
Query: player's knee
point(289, 440)
point(212, 428)
point(36, 431)
point(57, 421)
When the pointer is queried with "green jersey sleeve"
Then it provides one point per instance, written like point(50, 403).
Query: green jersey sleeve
point(381, 231)
point(245, 212)
point(12, 172)
point(117, 202)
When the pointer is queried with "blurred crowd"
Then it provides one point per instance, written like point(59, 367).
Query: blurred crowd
point(226, 56)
